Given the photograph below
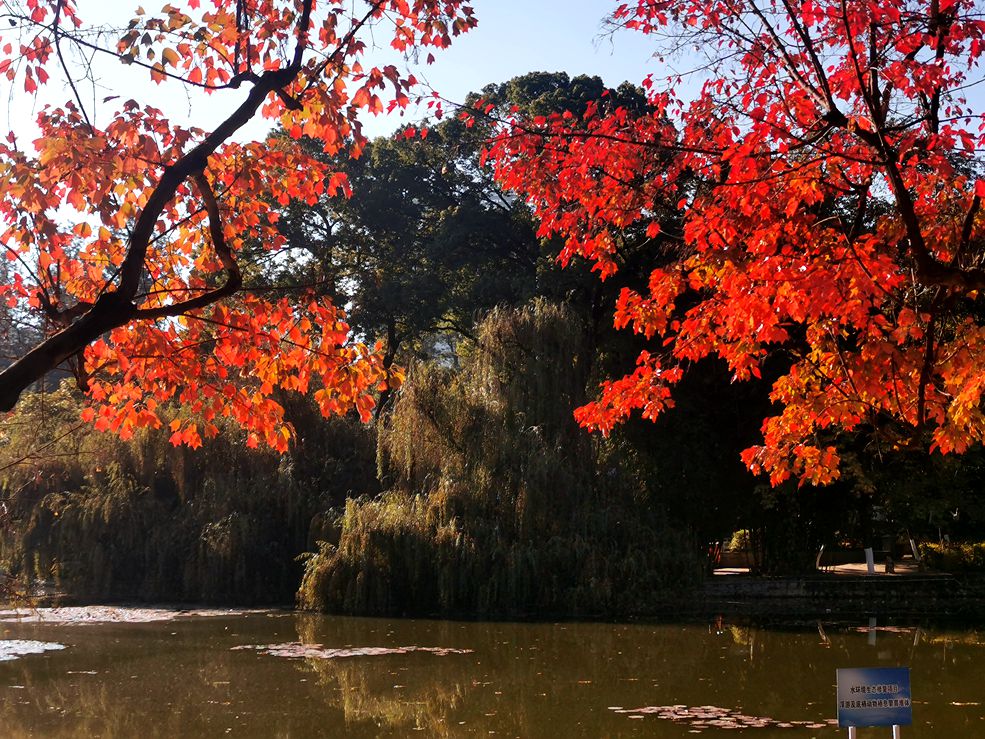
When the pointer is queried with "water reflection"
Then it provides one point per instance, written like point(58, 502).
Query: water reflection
point(375, 677)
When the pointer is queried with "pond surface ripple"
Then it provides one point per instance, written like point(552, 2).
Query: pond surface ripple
point(281, 674)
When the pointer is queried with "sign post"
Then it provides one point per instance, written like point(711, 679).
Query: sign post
point(874, 696)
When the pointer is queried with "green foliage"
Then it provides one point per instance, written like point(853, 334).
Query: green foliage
point(426, 243)
point(924, 496)
point(741, 541)
point(99, 517)
point(544, 93)
point(969, 557)
point(429, 242)
point(498, 503)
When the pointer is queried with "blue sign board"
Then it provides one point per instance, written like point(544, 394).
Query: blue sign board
point(874, 696)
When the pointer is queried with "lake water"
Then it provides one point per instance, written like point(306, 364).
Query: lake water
point(322, 676)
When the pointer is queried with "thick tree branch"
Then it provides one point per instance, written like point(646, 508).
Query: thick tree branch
point(234, 280)
point(110, 311)
point(115, 308)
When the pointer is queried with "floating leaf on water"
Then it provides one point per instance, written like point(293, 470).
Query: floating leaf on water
point(109, 614)
point(712, 717)
point(11, 649)
point(297, 650)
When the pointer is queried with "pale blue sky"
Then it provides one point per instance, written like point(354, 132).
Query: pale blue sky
point(516, 36)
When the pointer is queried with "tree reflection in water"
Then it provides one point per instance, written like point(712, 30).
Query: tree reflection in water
point(193, 678)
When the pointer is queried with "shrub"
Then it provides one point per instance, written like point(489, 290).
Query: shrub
point(969, 557)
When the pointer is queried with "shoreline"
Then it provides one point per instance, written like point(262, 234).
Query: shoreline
point(917, 594)
point(825, 595)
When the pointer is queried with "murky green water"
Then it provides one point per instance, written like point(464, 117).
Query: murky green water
point(184, 678)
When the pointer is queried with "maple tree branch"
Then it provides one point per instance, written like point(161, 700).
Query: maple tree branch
point(234, 279)
point(12, 254)
point(109, 311)
point(291, 103)
point(860, 209)
point(856, 66)
point(194, 161)
point(896, 383)
point(822, 78)
point(929, 269)
point(589, 135)
point(873, 93)
point(927, 367)
point(966, 228)
point(115, 308)
point(123, 57)
point(266, 335)
point(57, 33)
point(788, 61)
point(939, 26)
point(190, 164)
